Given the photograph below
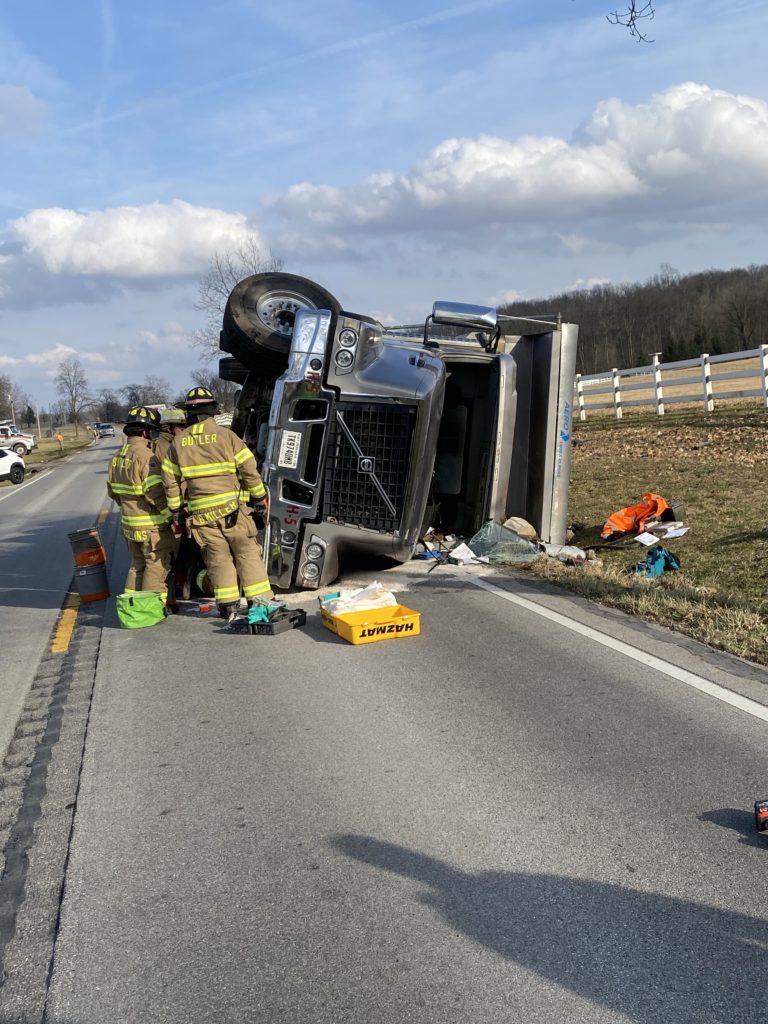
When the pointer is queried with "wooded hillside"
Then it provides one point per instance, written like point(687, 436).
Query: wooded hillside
point(680, 316)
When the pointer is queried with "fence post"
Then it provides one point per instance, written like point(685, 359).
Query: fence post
point(657, 384)
point(616, 393)
point(706, 379)
point(580, 397)
point(764, 364)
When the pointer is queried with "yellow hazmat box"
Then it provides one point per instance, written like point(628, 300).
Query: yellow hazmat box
point(393, 623)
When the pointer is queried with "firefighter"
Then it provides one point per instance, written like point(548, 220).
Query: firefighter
point(220, 475)
point(172, 423)
point(134, 482)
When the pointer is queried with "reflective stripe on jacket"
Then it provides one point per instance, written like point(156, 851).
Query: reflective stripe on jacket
point(216, 468)
point(134, 482)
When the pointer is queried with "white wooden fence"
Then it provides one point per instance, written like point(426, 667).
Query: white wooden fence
point(664, 384)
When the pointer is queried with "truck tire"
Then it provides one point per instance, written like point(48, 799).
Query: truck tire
point(17, 474)
point(232, 370)
point(259, 317)
point(20, 449)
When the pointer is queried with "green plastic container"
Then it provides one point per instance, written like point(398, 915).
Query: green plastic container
point(140, 609)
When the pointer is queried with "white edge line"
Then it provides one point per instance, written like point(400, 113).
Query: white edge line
point(15, 490)
point(751, 707)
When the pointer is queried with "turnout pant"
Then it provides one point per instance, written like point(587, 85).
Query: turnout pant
point(232, 551)
point(151, 561)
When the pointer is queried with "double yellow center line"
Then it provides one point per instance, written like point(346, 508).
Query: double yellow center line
point(65, 624)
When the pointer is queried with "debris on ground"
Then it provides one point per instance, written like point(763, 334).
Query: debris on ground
point(633, 518)
point(568, 553)
point(657, 562)
point(500, 544)
point(463, 554)
point(522, 528)
point(649, 539)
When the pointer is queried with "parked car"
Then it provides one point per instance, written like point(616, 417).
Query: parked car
point(366, 436)
point(14, 439)
point(11, 466)
point(105, 429)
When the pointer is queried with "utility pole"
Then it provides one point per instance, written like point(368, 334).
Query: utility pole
point(10, 402)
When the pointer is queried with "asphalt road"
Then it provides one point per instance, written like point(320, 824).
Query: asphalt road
point(36, 564)
point(501, 820)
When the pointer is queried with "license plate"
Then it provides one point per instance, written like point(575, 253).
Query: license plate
point(290, 446)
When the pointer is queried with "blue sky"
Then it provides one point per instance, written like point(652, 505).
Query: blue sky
point(395, 153)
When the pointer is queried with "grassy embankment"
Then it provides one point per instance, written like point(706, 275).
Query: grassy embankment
point(716, 464)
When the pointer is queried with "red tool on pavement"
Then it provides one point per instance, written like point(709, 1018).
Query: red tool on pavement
point(761, 815)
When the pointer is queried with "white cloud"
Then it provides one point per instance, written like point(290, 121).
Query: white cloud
point(21, 112)
point(587, 283)
point(503, 297)
point(158, 240)
point(170, 337)
point(48, 359)
point(689, 148)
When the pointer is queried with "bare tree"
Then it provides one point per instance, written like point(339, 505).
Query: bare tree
point(637, 13)
point(152, 391)
point(157, 391)
point(225, 269)
point(6, 393)
point(72, 385)
point(111, 407)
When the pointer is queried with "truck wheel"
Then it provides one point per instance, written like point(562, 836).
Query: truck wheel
point(17, 474)
point(260, 313)
point(20, 449)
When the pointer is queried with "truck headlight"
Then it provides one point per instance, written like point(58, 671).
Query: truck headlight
point(310, 570)
point(344, 358)
point(314, 551)
point(348, 338)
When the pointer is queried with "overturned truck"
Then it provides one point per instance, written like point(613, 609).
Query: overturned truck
point(366, 436)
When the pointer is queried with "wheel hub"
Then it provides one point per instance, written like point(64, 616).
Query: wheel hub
point(278, 311)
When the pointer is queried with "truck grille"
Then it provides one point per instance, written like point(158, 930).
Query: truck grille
point(369, 445)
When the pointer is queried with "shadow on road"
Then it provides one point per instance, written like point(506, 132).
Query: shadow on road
point(655, 959)
point(737, 820)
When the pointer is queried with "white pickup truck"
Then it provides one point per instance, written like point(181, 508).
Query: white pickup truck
point(14, 439)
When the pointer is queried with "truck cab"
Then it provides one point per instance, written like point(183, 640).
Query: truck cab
point(18, 442)
point(369, 435)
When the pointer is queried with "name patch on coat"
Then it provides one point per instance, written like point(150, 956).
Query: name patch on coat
point(193, 439)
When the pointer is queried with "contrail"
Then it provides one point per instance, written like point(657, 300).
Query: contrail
point(329, 50)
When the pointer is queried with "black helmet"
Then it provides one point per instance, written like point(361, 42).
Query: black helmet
point(198, 396)
point(140, 416)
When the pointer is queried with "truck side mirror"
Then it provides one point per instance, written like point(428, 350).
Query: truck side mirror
point(462, 314)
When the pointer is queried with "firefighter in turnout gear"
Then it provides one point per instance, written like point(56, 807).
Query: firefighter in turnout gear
point(220, 476)
point(172, 423)
point(134, 482)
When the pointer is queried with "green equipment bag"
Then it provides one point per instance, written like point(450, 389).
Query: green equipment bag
point(140, 608)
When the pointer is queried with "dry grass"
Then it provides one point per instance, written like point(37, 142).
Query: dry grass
point(48, 448)
point(718, 466)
